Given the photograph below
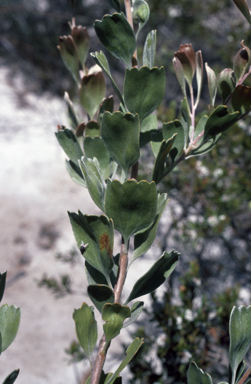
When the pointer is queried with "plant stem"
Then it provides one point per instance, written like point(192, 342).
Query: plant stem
point(134, 172)
point(245, 376)
point(130, 21)
point(99, 362)
point(123, 260)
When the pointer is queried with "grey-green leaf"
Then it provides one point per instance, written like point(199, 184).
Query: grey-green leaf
point(86, 328)
point(136, 310)
point(70, 145)
point(11, 378)
point(100, 295)
point(155, 276)
point(75, 173)
point(149, 51)
point(195, 375)
point(240, 337)
point(9, 323)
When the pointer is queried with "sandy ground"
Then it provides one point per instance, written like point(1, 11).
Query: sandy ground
point(35, 194)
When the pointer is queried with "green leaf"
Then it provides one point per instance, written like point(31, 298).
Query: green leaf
point(243, 7)
point(130, 352)
point(93, 275)
point(95, 184)
point(226, 84)
point(95, 233)
point(2, 284)
point(100, 295)
point(9, 323)
point(149, 51)
point(69, 55)
point(11, 378)
point(95, 147)
point(205, 147)
point(82, 42)
point(219, 121)
point(199, 74)
point(144, 90)
point(171, 128)
point(148, 126)
point(71, 111)
point(156, 140)
point(195, 375)
point(212, 84)
point(240, 337)
point(155, 276)
point(185, 119)
point(92, 129)
point(86, 328)
point(160, 161)
point(114, 316)
point(140, 13)
point(117, 36)
point(131, 205)
point(136, 310)
point(241, 99)
point(107, 105)
point(115, 4)
point(75, 173)
point(179, 72)
point(92, 92)
point(101, 60)
point(144, 240)
point(121, 137)
point(70, 145)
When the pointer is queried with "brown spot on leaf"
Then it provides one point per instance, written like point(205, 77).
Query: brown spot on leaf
point(104, 242)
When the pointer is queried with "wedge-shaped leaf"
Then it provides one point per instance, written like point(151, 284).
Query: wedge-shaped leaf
point(115, 4)
point(149, 51)
point(212, 84)
point(100, 295)
point(219, 121)
point(144, 240)
point(114, 316)
point(92, 92)
point(71, 111)
point(241, 99)
point(195, 375)
point(171, 128)
point(75, 173)
point(82, 42)
point(69, 55)
point(130, 352)
point(140, 13)
point(107, 105)
point(2, 283)
point(240, 337)
point(92, 129)
point(11, 378)
point(120, 134)
point(160, 161)
point(155, 276)
point(101, 60)
point(144, 90)
point(117, 36)
point(243, 7)
point(131, 205)
point(95, 184)
point(95, 234)
point(9, 323)
point(136, 310)
point(110, 171)
point(95, 147)
point(70, 145)
point(148, 126)
point(86, 328)
point(226, 84)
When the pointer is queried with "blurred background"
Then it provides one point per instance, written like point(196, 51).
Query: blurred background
point(208, 218)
